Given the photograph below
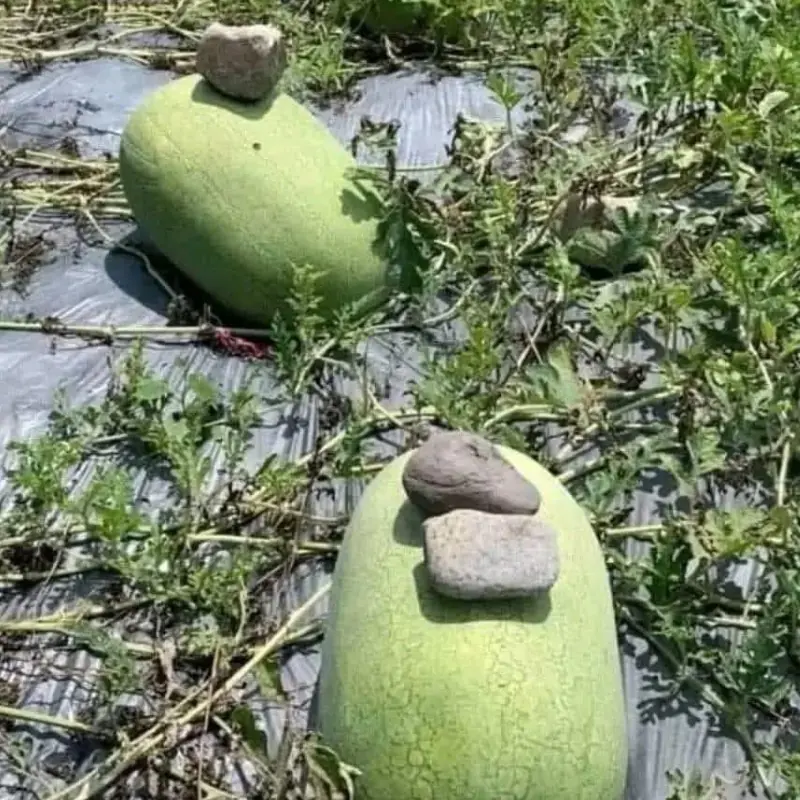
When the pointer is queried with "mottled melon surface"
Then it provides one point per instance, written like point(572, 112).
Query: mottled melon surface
point(412, 18)
point(237, 194)
point(439, 699)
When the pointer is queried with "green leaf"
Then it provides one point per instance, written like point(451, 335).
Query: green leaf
point(768, 332)
point(151, 389)
point(268, 676)
point(557, 381)
point(733, 534)
point(177, 429)
point(706, 454)
point(503, 90)
point(245, 724)
point(331, 771)
point(204, 390)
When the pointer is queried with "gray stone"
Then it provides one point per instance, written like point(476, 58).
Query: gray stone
point(462, 470)
point(473, 555)
point(244, 62)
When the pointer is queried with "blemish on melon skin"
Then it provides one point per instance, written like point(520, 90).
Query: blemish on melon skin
point(256, 145)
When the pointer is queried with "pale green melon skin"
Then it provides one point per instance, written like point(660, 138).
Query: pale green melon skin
point(237, 194)
point(394, 17)
point(471, 701)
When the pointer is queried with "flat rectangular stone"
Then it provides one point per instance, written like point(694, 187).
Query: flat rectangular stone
point(475, 555)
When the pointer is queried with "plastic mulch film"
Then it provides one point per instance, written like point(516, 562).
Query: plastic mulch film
point(83, 283)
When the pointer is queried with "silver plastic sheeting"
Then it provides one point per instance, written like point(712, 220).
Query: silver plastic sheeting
point(86, 284)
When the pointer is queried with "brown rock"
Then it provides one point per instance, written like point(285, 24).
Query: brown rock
point(244, 62)
point(472, 555)
point(462, 470)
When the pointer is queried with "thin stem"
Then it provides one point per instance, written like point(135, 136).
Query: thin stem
point(39, 718)
point(103, 776)
point(644, 532)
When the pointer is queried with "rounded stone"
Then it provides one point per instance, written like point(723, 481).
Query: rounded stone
point(457, 469)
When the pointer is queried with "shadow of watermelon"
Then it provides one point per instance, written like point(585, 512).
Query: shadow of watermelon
point(154, 290)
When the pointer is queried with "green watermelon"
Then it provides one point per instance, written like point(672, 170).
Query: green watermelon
point(413, 18)
point(238, 195)
point(439, 699)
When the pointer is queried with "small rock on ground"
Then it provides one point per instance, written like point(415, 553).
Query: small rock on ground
point(462, 470)
point(244, 62)
point(473, 555)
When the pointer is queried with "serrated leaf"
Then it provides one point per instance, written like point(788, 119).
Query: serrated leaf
point(735, 533)
point(177, 429)
point(557, 381)
point(707, 456)
point(202, 388)
point(149, 389)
